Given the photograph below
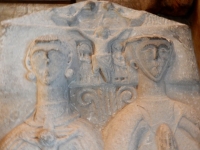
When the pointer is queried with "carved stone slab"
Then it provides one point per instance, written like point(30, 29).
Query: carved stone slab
point(66, 74)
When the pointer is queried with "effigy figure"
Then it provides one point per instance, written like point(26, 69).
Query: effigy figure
point(120, 69)
point(53, 126)
point(104, 63)
point(153, 121)
point(85, 54)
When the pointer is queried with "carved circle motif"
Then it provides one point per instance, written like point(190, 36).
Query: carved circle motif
point(47, 138)
point(86, 96)
point(127, 94)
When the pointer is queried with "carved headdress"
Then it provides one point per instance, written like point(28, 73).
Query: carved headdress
point(56, 42)
point(140, 53)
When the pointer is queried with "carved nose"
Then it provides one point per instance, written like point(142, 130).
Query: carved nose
point(47, 58)
point(155, 53)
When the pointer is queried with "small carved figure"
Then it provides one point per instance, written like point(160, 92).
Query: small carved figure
point(104, 61)
point(120, 70)
point(53, 126)
point(102, 65)
point(153, 121)
point(85, 54)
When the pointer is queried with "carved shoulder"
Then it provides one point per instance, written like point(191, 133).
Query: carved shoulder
point(86, 139)
point(189, 121)
point(189, 113)
point(121, 128)
point(14, 140)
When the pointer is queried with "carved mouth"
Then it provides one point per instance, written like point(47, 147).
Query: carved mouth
point(157, 69)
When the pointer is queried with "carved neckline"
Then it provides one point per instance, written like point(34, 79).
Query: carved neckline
point(65, 119)
point(153, 98)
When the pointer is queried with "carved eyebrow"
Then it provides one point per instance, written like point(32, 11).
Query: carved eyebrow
point(165, 46)
point(37, 50)
point(45, 48)
point(148, 45)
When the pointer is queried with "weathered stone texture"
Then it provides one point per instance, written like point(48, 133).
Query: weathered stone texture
point(68, 72)
point(9, 10)
point(168, 7)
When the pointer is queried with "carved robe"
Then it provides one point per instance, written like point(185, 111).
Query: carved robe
point(71, 132)
point(134, 127)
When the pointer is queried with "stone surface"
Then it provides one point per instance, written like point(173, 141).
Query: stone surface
point(68, 73)
point(167, 7)
point(10, 10)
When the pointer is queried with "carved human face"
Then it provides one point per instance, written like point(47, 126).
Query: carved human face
point(118, 58)
point(153, 57)
point(84, 53)
point(48, 62)
point(85, 57)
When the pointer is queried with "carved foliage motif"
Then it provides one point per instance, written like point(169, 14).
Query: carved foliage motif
point(100, 103)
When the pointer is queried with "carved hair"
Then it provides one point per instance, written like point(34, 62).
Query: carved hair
point(138, 40)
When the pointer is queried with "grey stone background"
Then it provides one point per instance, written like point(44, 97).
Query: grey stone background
point(12, 10)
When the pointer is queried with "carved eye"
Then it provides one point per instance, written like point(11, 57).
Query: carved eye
point(55, 55)
point(39, 54)
point(163, 52)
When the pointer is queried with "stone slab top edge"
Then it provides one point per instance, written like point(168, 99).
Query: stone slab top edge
point(44, 17)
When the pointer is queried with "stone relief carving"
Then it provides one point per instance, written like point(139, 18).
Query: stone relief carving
point(120, 69)
point(53, 124)
point(100, 103)
point(98, 67)
point(90, 16)
point(153, 121)
point(85, 53)
point(105, 60)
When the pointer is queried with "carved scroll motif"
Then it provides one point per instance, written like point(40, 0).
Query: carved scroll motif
point(101, 103)
point(125, 95)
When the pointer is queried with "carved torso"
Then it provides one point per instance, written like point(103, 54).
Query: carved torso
point(67, 134)
point(142, 121)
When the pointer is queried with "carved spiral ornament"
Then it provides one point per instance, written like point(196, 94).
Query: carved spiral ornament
point(127, 94)
point(87, 96)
